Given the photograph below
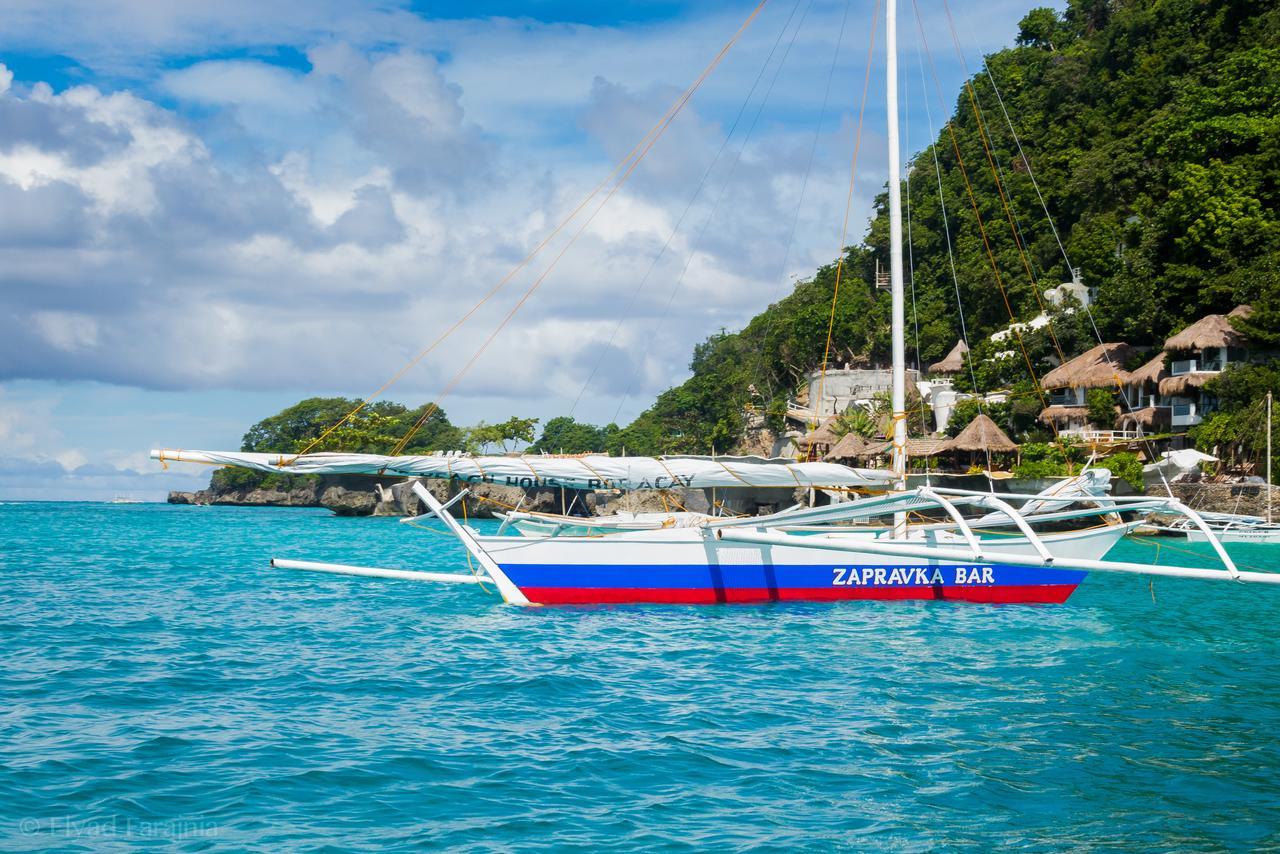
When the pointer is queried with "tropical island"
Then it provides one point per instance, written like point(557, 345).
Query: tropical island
point(1095, 247)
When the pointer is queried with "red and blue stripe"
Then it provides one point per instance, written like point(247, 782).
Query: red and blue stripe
point(584, 584)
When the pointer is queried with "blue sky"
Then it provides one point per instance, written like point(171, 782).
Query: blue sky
point(209, 211)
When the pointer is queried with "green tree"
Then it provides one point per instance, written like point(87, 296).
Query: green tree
point(506, 435)
point(1125, 466)
point(564, 435)
point(1101, 404)
point(1039, 28)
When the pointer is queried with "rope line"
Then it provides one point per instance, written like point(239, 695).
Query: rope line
point(654, 132)
point(635, 293)
point(816, 406)
point(622, 179)
point(804, 185)
point(986, 242)
point(715, 207)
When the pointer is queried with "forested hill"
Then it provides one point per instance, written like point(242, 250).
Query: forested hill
point(1153, 130)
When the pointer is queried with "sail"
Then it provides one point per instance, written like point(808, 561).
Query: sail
point(585, 472)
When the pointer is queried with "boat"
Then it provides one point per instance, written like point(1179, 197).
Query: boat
point(1229, 527)
point(889, 542)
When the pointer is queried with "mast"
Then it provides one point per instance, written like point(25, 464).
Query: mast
point(899, 393)
point(1268, 458)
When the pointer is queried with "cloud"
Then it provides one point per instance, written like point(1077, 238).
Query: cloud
point(69, 476)
point(269, 196)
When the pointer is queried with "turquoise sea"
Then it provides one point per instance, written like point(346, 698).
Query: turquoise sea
point(162, 686)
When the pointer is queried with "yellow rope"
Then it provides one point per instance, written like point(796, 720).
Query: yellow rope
point(649, 138)
point(816, 406)
point(986, 242)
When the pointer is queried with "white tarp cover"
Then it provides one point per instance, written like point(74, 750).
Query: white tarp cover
point(587, 472)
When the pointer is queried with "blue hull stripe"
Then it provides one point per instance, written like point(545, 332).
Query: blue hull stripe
point(694, 576)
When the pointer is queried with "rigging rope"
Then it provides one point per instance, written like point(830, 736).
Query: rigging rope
point(816, 406)
point(1120, 387)
point(804, 185)
point(622, 179)
point(697, 240)
point(724, 143)
point(911, 258)
point(995, 175)
point(986, 242)
point(653, 133)
point(946, 227)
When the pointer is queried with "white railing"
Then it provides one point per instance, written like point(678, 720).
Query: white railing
point(1089, 436)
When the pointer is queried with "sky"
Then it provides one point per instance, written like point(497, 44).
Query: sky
point(209, 211)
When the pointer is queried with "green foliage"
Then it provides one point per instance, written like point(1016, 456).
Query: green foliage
point(1154, 136)
point(564, 435)
point(1049, 459)
point(375, 429)
point(1039, 28)
point(1102, 408)
point(858, 421)
point(962, 414)
point(1125, 466)
point(505, 435)
point(1237, 432)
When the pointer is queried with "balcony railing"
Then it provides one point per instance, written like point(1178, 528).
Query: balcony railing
point(1089, 436)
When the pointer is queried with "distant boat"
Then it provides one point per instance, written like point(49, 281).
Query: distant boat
point(1234, 527)
point(124, 499)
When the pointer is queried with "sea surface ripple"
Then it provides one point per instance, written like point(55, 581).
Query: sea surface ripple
point(162, 685)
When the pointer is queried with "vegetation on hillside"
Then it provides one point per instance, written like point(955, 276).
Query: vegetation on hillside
point(1152, 128)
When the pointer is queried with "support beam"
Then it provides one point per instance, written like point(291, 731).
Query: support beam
point(375, 572)
point(510, 593)
point(894, 548)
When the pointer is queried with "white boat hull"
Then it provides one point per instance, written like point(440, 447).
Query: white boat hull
point(693, 566)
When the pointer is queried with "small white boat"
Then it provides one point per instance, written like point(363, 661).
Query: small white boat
point(1228, 528)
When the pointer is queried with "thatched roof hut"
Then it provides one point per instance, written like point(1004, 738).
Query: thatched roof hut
point(1149, 417)
point(1214, 330)
point(982, 435)
point(822, 435)
point(1179, 385)
point(953, 362)
point(1152, 372)
point(1062, 414)
point(1095, 368)
point(851, 448)
point(917, 447)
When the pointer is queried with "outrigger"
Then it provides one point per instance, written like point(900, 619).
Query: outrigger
point(812, 553)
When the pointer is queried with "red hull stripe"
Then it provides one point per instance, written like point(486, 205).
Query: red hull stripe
point(1029, 593)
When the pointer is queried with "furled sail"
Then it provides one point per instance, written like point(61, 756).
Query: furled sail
point(585, 472)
